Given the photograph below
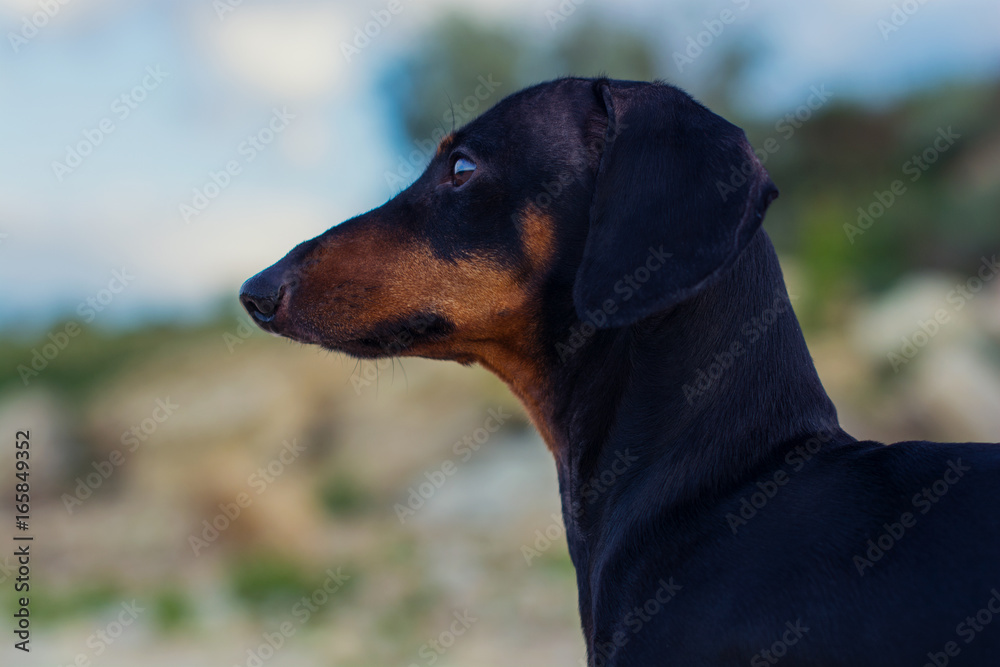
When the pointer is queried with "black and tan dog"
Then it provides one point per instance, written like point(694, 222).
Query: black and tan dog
point(597, 245)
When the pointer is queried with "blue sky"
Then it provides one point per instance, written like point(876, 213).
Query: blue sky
point(226, 78)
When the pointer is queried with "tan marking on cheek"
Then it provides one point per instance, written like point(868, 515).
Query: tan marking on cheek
point(469, 292)
point(366, 281)
point(538, 237)
point(369, 280)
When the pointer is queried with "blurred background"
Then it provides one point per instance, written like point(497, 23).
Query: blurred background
point(207, 495)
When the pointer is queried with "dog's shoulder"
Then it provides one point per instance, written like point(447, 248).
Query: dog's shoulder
point(922, 477)
point(916, 458)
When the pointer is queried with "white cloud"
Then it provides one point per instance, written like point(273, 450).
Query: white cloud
point(287, 52)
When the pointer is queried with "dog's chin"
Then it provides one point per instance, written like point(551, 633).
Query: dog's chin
point(359, 349)
point(293, 334)
point(282, 325)
point(412, 336)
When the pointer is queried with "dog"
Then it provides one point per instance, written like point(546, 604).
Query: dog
point(597, 244)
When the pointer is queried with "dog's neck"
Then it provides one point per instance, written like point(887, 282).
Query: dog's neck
point(700, 395)
point(683, 406)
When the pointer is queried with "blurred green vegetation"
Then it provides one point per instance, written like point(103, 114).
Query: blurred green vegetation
point(96, 355)
point(173, 610)
point(266, 582)
point(342, 495)
point(263, 580)
point(49, 607)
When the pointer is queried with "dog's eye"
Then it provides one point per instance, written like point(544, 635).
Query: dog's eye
point(462, 171)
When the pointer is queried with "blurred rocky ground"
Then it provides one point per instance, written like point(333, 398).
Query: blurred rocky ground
point(419, 488)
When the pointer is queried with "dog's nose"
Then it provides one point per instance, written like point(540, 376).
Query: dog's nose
point(262, 294)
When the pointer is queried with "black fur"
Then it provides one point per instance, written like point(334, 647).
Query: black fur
point(665, 180)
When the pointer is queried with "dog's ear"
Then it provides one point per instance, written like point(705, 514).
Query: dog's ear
point(678, 195)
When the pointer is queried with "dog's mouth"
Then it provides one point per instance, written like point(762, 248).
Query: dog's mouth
point(396, 337)
point(392, 338)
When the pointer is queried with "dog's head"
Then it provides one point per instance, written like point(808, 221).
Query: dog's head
point(602, 200)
